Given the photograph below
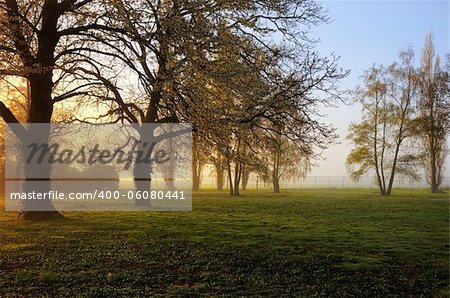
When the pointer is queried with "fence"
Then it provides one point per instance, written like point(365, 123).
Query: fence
point(327, 182)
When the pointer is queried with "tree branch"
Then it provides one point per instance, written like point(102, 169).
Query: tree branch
point(12, 121)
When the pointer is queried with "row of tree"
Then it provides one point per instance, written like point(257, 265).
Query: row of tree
point(239, 71)
point(406, 120)
point(266, 154)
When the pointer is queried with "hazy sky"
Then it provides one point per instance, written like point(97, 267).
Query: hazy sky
point(366, 32)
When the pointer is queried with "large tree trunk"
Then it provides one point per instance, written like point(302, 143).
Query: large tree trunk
point(169, 171)
point(237, 178)
point(276, 185)
point(397, 150)
point(276, 171)
point(433, 169)
point(382, 190)
point(37, 209)
point(41, 110)
point(219, 165)
point(245, 178)
point(2, 181)
point(433, 151)
point(220, 179)
point(230, 177)
point(394, 163)
point(41, 102)
point(142, 182)
point(142, 170)
point(434, 185)
point(379, 164)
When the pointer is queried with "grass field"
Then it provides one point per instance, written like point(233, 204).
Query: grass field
point(298, 243)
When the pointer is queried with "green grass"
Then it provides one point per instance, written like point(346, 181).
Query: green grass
point(298, 243)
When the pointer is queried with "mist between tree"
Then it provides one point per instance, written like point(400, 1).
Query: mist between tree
point(245, 74)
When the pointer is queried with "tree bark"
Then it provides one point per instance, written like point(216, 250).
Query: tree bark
point(219, 165)
point(197, 169)
point(380, 179)
point(37, 209)
point(41, 87)
point(237, 178)
point(276, 172)
point(230, 177)
point(41, 110)
point(245, 178)
point(142, 169)
point(220, 181)
point(276, 185)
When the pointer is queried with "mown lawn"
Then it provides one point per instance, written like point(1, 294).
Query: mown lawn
point(298, 243)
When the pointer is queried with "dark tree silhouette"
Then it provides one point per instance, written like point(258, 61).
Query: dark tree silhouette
point(37, 43)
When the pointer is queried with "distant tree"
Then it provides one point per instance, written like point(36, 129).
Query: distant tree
point(433, 114)
point(199, 160)
point(281, 101)
point(219, 164)
point(371, 135)
point(286, 160)
point(170, 168)
point(381, 138)
point(246, 156)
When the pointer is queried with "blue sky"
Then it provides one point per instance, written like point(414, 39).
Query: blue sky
point(366, 32)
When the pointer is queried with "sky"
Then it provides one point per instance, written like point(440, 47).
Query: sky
point(364, 33)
